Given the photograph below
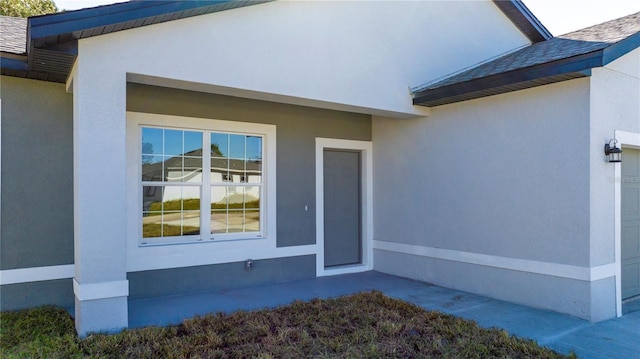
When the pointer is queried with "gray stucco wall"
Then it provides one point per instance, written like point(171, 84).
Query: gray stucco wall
point(149, 284)
point(37, 174)
point(34, 294)
point(297, 128)
point(506, 176)
point(570, 296)
point(615, 106)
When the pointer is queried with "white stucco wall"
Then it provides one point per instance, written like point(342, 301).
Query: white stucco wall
point(360, 56)
point(99, 198)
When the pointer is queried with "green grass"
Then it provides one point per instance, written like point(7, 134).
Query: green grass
point(365, 325)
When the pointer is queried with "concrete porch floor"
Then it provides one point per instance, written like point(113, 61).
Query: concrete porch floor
point(615, 338)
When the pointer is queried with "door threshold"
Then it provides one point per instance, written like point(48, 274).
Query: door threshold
point(352, 268)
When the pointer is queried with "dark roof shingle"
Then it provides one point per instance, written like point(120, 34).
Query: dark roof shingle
point(573, 44)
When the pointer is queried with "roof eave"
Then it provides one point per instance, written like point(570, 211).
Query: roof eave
point(524, 20)
point(538, 75)
point(621, 48)
point(52, 39)
point(13, 63)
point(54, 28)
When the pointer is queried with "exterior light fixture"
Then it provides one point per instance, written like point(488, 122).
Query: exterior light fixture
point(614, 153)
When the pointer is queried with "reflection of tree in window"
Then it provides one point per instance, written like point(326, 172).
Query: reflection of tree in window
point(172, 182)
point(147, 148)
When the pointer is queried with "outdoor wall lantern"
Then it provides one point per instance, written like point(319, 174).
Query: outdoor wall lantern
point(614, 153)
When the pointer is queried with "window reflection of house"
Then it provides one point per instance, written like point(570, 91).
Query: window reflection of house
point(188, 168)
point(173, 185)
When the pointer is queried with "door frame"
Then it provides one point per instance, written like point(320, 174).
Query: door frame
point(366, 206)
point(626, 140)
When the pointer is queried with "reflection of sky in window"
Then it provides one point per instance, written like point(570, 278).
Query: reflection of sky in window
point(151, 140)
point(237, 146)
point(254, 147)
point(175, 143)
point(221, 140)
point(172, 142)
point(192, 142)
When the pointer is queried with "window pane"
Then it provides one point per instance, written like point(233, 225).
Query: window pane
point(173, 168)
point(252, 220)
point(192, 143)
point(192, 171)
point(171, 224)
point(152, 168)
point(236, 146)
point(170, 211)
point(235, 197)
point(183, 169)
point(254, 148)
point(254, 171)
point(236, 170)
point(219, 170)
point(152, 211)
point(219, 144)
point(219, 221)
point(175, 157)
point(173, 142)
point(152, 198)
point(152, 225)
point(252, 197)
point(190, 223)
point(151, 141)
point(190, 210)
point(218, 198)
point(237, 209)
point(235, 221)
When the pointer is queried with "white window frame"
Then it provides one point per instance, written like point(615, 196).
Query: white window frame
point(205, 186)
point(140, 254)
point(164, 184)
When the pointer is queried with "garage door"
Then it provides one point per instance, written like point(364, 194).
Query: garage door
point(630, 223)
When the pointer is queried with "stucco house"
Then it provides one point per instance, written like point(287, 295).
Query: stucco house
point(152, 148)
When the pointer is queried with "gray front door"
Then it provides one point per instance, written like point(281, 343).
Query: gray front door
point(630, 223)
point(342, 210)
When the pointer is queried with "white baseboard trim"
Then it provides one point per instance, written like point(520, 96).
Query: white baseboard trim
point(103, 290)
point(183, 260)
point(36, 274)
point(516, 264)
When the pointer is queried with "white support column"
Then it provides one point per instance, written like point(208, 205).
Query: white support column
point(99, 158)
